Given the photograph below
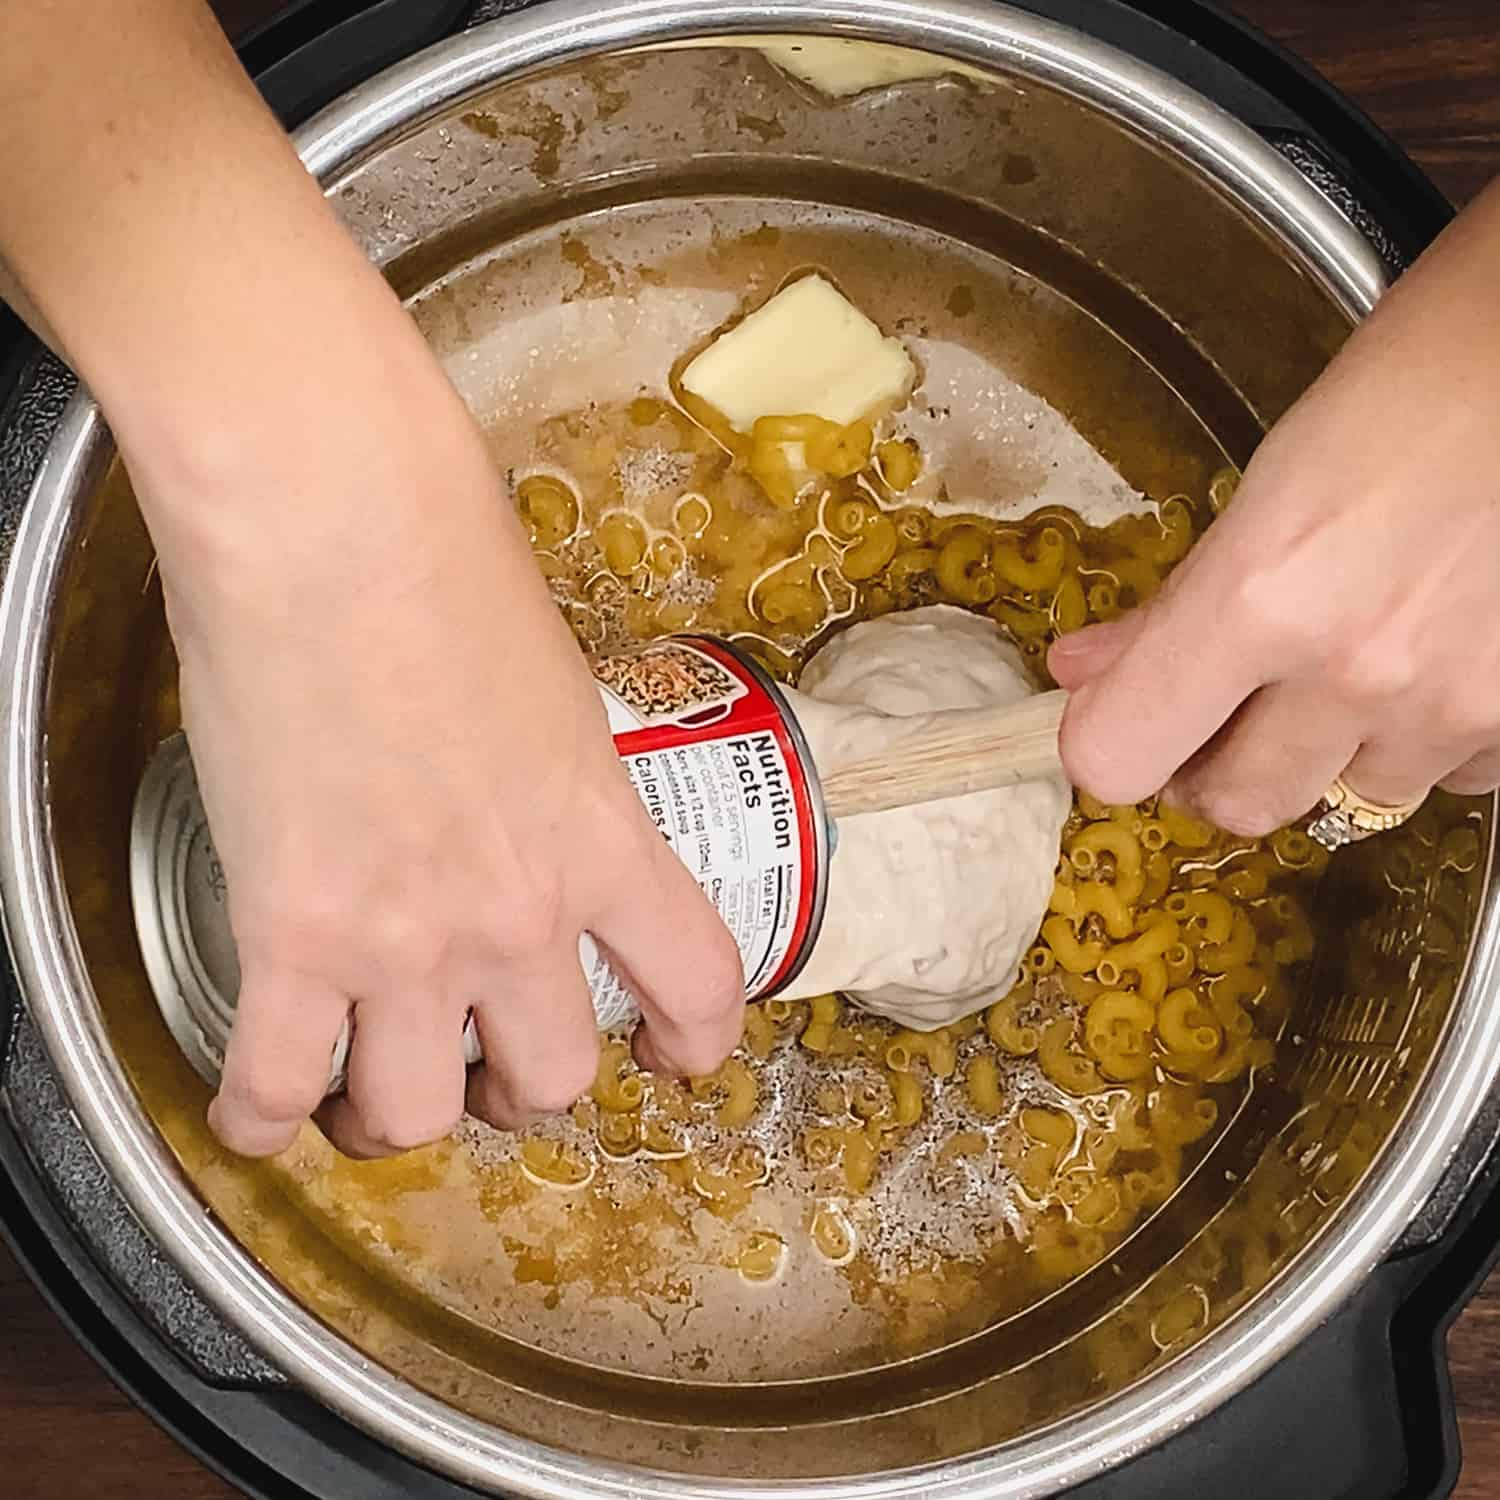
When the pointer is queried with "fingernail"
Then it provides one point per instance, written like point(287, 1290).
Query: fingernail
point(253, 1138)
point(358, 1151)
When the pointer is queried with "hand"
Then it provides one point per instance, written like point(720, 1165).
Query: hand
point(409, 777)
point(404, 761)
point(1340, 618)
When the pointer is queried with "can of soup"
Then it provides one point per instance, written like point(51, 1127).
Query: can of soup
point(715, 755)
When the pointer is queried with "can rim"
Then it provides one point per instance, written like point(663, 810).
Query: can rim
point(159, 835)
point(824, 837)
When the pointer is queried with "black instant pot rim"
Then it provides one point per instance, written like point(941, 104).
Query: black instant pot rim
point(110, 1330)
point(314, 50)
point(1389, 184)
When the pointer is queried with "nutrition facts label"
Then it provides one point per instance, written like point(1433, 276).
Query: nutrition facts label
point(710, 754)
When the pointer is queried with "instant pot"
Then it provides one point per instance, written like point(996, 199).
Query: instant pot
point(1326, 1378)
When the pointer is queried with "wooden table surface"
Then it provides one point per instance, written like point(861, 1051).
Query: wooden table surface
point(1429, 72)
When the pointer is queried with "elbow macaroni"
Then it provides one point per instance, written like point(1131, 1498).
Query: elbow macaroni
point(906, 1096)
point(963, 567)
point(549, 508)
point(983, 1080)
point(617, 1086)
point(1036, 575)
point(1159, 973)
point(824, 1012)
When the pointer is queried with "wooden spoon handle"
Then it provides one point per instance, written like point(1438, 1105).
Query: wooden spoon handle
point(950, 754)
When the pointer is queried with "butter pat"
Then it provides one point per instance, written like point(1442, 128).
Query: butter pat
point(807, 352)
point(840, 67)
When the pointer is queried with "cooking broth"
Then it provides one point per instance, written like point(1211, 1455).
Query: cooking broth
point(817, 1208)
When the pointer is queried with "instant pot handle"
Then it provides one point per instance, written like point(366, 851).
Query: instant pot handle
point(1363, 1407)
point(1359, 1410)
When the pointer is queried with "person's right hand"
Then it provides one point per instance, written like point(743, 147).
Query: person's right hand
point(408, 774)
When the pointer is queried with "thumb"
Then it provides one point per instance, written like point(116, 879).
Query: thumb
point(1081, 655)
point(1152, 692)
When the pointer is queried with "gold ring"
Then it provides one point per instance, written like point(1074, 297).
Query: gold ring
point(1344, 817)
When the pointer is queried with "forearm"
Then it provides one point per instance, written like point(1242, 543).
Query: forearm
point(1421, 369)
point(171, 246)
point(1446, 308)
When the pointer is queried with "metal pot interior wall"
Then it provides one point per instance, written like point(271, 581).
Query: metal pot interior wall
point(1170, 328)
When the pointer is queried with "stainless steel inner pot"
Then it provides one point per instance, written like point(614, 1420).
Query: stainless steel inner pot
point(1234, 280)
